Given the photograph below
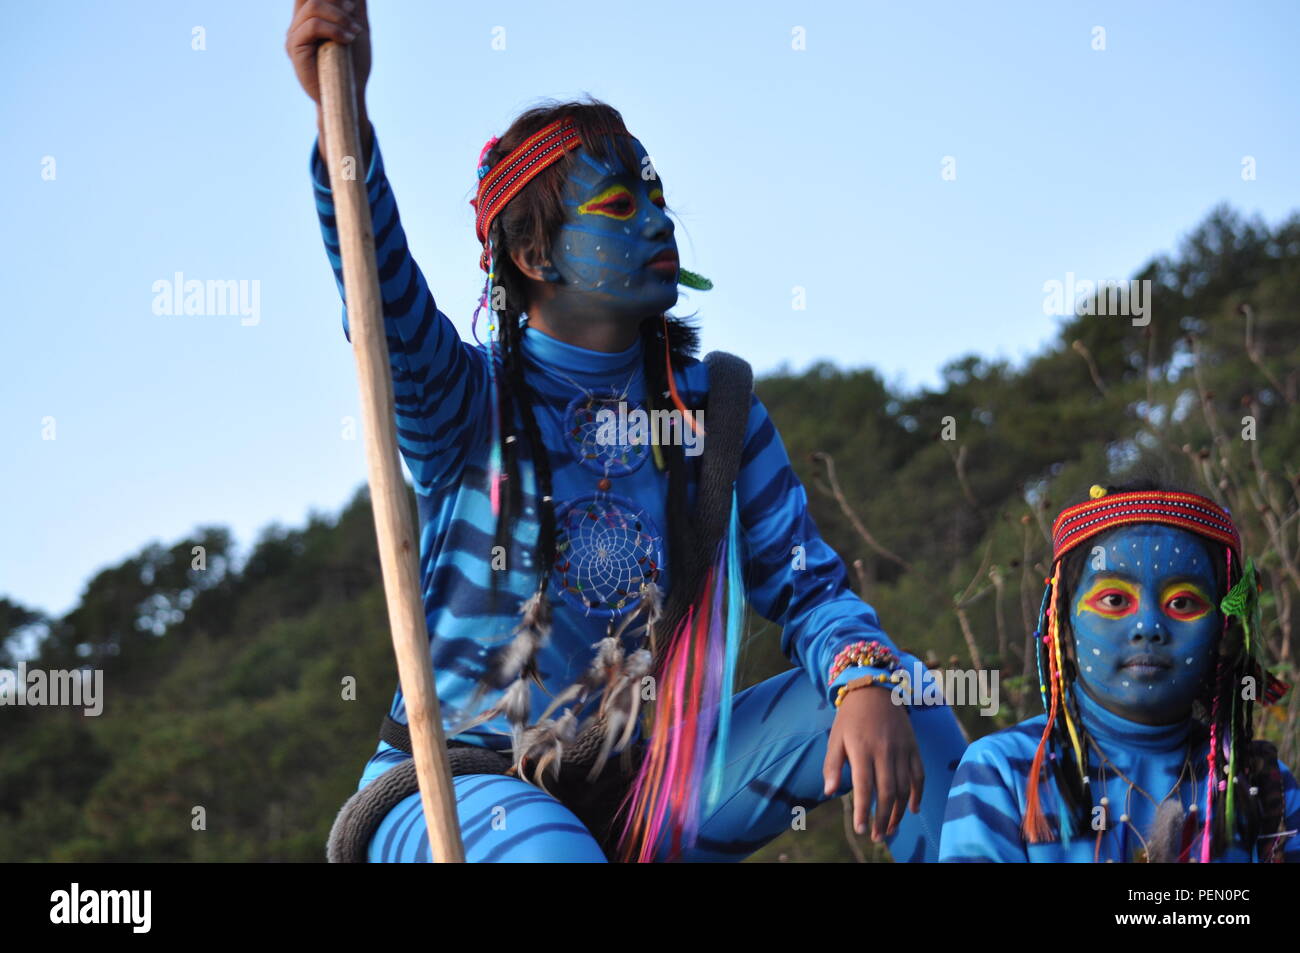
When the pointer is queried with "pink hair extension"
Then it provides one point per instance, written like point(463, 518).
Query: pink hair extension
point(697, 676)
point(1212, 781)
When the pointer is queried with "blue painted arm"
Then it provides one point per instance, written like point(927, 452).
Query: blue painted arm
point(793, 577)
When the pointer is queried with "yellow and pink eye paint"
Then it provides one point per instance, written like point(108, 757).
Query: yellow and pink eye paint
point(1101, 589)
point(1094, 600)
point(618, 203)
point(1201, 603)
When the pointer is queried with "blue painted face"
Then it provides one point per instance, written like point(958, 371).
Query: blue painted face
point(1145, 619)
point(614, 225)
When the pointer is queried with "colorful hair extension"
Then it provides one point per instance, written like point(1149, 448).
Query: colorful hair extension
point(1063, 812)
point(1230, 801)
point(1211, 781)
point(496, 475)
point(672, 388)
point(656, 784)
point(1038, 640)
point(1060, 674)
point(693, 710)
point(1211, 778)
point(731, 655)
point(1035, 826)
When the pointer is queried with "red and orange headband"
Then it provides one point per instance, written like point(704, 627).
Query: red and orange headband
point(507, 178)
point(1188, 511)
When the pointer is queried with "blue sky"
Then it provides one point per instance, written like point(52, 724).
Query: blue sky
point(817, 169)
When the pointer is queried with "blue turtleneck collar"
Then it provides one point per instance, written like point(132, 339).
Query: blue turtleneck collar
point(555, 354)
point(1110, 730)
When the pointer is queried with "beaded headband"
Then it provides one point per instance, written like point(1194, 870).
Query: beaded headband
point(1187, 511)
point(496, 187)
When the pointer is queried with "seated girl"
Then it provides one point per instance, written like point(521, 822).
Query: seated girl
point(577, 571)
point(1148, 653)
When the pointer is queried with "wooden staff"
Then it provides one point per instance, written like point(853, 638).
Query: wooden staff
point(388, 497)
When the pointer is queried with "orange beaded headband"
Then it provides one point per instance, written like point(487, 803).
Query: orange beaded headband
point(523, 164)
point(1188, 511)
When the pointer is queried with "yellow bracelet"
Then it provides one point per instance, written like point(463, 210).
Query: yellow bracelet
point(864, 681)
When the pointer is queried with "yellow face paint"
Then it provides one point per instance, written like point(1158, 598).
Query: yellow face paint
point(1109, 598)
point(657, 196)
point(615, 202)
point(1185, 602)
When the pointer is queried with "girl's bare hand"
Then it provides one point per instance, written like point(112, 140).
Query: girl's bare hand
point(875, 737)
point(314, 22)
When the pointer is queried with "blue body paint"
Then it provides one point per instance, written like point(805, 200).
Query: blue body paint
point(615, 223)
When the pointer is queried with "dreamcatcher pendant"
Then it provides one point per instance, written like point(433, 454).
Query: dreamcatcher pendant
point(607, 547)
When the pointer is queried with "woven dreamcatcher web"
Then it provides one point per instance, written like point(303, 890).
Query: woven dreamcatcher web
point(591, 441)
point(606, 547)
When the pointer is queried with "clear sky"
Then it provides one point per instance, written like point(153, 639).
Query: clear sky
point(818, 168)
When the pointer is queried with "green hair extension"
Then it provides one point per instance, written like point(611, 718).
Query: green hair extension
point(1241, 603)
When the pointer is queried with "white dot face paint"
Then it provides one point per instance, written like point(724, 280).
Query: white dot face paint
point(615, 223)
point(1137, 617)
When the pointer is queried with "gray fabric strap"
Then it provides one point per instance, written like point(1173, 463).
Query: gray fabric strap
point(395, 733)
point(731, 383)
point(361, 815)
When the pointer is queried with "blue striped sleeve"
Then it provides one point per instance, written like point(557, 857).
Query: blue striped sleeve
point(439, 381)
point(793, 577)
point(982, 821)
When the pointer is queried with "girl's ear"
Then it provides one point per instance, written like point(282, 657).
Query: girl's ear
point(531, 266)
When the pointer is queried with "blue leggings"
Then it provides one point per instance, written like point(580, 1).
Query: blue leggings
point(779, 734)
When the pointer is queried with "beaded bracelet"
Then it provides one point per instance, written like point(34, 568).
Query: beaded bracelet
point(871, 654)
point(893, 678)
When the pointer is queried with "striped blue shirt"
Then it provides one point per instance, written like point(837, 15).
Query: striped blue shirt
point(986, 802)
point(441, 395)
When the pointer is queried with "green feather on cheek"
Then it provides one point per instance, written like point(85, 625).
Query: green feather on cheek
point(691, 280)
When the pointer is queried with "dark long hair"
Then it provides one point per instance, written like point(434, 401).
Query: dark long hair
point(530, 225)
